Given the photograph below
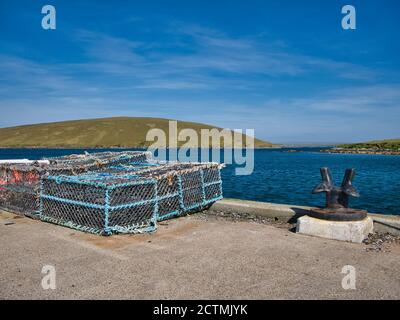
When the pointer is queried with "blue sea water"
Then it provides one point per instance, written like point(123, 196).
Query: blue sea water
point(283, 177)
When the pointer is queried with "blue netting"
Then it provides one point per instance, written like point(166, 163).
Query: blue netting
point(185, 187)
point(96, 204)
point(129, 198)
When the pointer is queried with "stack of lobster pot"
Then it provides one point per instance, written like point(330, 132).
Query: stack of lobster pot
point(129, 198)
point(109, 192)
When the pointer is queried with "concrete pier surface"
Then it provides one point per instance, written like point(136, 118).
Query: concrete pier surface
point(193, 257)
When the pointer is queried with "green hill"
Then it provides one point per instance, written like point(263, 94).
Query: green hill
point(390, 144)
point(124, 132)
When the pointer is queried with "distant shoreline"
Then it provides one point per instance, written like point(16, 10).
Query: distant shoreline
point(362, 151)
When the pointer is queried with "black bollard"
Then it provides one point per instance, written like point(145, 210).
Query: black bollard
point(337, 198)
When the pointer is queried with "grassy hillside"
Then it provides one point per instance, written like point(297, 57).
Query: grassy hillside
point(108, 132)
point(391, 144)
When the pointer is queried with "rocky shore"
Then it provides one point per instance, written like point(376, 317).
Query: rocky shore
point(362, 151)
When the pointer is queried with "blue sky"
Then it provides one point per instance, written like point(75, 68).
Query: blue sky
point(285, 68)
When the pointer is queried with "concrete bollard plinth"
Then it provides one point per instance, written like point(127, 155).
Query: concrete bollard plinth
point(352, 231)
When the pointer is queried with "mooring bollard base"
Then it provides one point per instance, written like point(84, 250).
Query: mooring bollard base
point(341, 214)
point(351, 231)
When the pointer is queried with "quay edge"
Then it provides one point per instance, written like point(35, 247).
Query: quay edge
point(290, 213)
